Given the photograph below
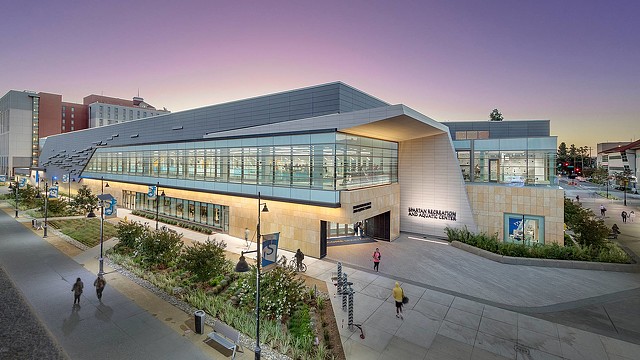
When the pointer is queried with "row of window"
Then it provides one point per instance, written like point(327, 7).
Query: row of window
point(329, 166)
point(193, 211)
point(471, 135)
point(529, 167)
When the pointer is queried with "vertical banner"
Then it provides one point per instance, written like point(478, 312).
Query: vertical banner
point(37, 177)
point(3, 178)
point(270, 249)
point(23, 182)
point(110, 207)
point(151, 193)
point(65, 178)
point(53, 192)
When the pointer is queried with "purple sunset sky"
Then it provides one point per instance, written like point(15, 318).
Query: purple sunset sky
point(576, 63)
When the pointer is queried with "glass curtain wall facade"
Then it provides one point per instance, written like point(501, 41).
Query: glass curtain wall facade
point(194, 211)
point(507, 161)
point(328, 161)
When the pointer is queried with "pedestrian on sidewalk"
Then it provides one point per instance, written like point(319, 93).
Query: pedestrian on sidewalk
point(578, 199)
point(77, 288)
point(246, 236)
point(624, 216)
point(398, 294)
point(632, 215)
point(603, 210)
point(376, 259)
point(99, 283)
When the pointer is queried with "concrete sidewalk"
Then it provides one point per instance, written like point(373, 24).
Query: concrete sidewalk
point(442, 324)
point(439, 322)
point(117, 328)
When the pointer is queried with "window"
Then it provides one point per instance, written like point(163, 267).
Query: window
point(523, 229)
point(461, 135)
point(73, 109)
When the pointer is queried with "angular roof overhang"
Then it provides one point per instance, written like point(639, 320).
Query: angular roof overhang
point(393, 123)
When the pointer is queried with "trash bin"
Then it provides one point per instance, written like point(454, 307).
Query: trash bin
point(199, 316)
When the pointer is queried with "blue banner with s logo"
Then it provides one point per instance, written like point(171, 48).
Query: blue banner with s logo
point(270, 249)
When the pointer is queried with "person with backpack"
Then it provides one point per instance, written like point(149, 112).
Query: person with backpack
point(100, 283)
point(77, 288)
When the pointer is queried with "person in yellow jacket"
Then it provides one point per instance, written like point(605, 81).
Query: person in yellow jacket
point(398, 294)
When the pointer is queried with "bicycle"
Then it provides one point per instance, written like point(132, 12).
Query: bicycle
point(294, 265)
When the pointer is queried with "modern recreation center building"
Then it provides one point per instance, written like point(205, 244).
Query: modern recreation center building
point(323, 158)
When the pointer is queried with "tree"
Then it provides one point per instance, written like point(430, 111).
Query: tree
point(85, 200)
point(562, 152)
point(495, 115)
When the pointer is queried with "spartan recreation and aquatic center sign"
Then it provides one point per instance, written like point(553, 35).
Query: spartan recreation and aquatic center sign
point(433, 214)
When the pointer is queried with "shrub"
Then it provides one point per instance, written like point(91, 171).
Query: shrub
point(280, 291)
point(130, 233)
point(159, 247)
point(205, 260)
point(300, 324)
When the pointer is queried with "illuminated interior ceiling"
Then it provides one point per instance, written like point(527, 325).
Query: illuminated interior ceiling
point(397, 128)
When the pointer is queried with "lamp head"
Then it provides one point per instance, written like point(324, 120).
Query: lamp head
point(106, 185)
point(265, 208)
point(242, 265)
point(162, 193)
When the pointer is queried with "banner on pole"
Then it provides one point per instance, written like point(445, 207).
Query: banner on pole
point(270, 249)
point(53, 192)
point(23, 182)
point(151, 193)
point(3, 178)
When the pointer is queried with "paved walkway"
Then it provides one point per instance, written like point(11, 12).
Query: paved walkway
point(461, 307)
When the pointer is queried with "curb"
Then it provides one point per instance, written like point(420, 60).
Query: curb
point(564, 264)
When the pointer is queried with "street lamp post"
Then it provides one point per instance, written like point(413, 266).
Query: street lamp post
point(46, 203)
point(625, 182)
point(158, 202)
point(242, 266)
point(102, 186)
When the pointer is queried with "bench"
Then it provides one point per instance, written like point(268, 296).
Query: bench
point(225, 335)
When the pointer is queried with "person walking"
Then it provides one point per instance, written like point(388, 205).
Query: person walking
point(632, 215)
point(77, 288)
point(578, 199)
point(624, 216)
point(376, 259)
point(603, 210)
point(398, 294)
point(246, 236)
point(99, 283)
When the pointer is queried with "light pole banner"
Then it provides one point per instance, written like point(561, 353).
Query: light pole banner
point(3, 178)
point(23, 182)
point(65, 178)
point(270, 249)
point(53, 192)
point(151, 193)
point(110, 207)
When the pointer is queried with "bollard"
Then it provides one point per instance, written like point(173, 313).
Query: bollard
point(344, 292)
point(350, 314)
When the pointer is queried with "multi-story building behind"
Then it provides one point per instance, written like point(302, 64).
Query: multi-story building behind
point(27, 118)
point(619, 158)
point(19, 131)
point(105, 110)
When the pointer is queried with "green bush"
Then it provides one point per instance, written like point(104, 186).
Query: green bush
point(205, 260)
point(280, 291)
point(300, 324)
point(603, 252)
point(130, 233)
point(159, 248)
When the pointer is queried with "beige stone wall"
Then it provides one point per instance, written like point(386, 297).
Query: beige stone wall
point(299, 225)
point(490, 202)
